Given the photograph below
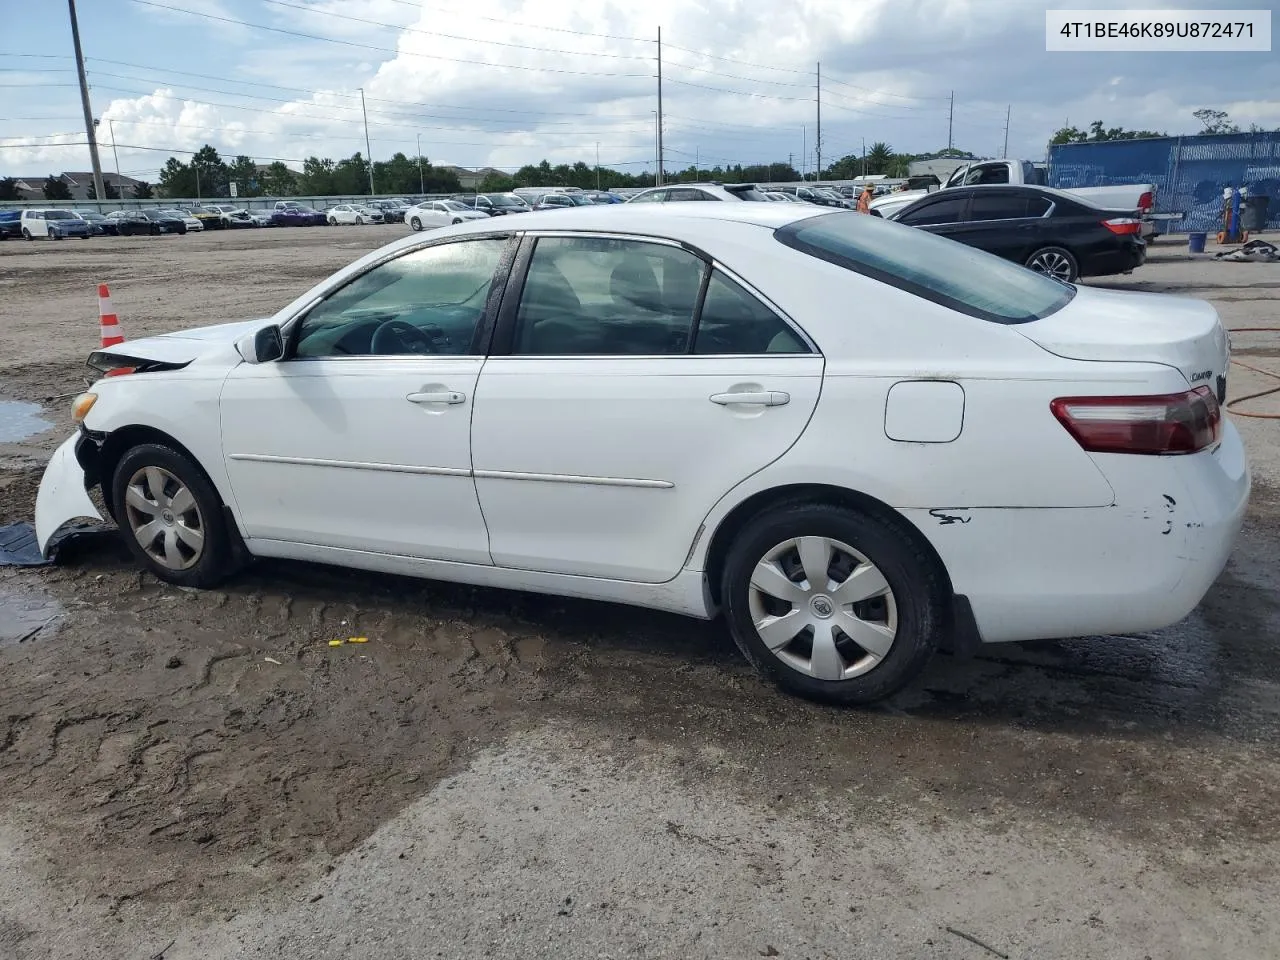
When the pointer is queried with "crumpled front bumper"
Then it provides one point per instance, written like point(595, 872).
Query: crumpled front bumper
point(62, 496)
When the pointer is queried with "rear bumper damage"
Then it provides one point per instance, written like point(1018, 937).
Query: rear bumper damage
point(63, 495)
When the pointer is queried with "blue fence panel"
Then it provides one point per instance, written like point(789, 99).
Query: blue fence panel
point(1190, 173)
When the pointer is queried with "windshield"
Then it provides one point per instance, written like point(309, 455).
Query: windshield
point(500, 201)
point(60, 215)
point(967, 280)
point(452, 205)
point(89, 215)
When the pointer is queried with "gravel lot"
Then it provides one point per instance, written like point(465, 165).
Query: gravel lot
point(496, 774)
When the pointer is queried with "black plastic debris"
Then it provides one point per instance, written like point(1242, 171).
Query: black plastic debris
point(18, 547)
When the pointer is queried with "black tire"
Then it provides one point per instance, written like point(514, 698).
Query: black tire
point(918, 586)
point(1039, 260)
point(26, 234)
point(155, 230)
point(415, 224)
point(215, 561)
point(456, 221)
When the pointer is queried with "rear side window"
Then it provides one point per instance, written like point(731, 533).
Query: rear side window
point(735, 322)
point(934, 268)
point(944, 210)
point(1038, 206)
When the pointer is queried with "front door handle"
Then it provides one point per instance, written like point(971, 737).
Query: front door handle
point(438, 396)
point(764, 398)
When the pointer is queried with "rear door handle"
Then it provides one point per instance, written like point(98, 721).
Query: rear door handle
point(764, 398)
point(439, 396)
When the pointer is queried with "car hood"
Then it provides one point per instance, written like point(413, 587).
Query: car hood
point(1112, 325)
point(178, 349)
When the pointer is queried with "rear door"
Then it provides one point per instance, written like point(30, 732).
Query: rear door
point(613, 412)
point(997, 222)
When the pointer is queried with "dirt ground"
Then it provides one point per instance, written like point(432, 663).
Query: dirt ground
point(499, 774)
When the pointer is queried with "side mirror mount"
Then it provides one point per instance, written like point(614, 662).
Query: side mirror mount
point(261, 346)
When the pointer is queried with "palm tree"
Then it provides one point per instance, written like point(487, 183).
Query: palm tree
point(879, 158)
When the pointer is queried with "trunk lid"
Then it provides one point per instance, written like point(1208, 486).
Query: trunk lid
point(1150, 327)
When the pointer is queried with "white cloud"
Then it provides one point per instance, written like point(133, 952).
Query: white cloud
point(738, 82)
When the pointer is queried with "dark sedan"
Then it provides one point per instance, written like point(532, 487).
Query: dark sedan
point(298, 217)
point(98, 224)
point(147, 223)
point(10, 225)
point(1052, 232)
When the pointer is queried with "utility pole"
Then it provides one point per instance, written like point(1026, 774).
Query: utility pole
point(111, 125)
point(864, 158)
point(658, 181)
point(818, 139)
point(367, 147)
point(92, 137)
point(657, 147)
point(1007, 115)
point(697, 163)
point(597, 165)
point(804, 151)
point(421, 188)
point(951, 112)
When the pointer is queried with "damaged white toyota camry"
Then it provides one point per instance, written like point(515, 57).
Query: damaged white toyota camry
point(857, 440)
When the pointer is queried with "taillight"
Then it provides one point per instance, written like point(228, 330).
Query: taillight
point(1123, 225)
point(1146, 201)
point(1172, 423)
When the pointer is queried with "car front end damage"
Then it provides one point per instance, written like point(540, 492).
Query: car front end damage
point(64, 489)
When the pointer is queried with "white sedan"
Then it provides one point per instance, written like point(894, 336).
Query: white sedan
point(353, 213)
point(858, 440)
point(440, 213)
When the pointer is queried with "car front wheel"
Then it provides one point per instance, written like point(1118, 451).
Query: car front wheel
point(1055, 262)
point(26, 234)
point(171, 517)
point(416, 224)
point(832, 603)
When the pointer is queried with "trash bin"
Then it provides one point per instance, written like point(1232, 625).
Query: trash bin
point(1195, 242)
point(1253, 214)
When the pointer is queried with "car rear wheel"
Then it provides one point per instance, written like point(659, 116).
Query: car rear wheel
point(457, 220)
point(26, 234)
point(171, 517)
point(831, 603)
point(1055, 262)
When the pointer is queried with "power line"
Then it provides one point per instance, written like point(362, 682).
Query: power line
point(369, 46)
point(450, 36)
point(533, 26)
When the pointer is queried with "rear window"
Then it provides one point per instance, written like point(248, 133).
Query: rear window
point(962, 278)
point(746, 192)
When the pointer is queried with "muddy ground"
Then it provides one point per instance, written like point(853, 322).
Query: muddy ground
point(496, 774)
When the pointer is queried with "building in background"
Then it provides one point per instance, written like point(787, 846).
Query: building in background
point(79, 185)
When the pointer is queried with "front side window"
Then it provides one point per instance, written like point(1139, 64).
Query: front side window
point(934, 268)
point(735, 322)
point(601, 296)
point(430, 301)
point(653, 196)
point(943, 210)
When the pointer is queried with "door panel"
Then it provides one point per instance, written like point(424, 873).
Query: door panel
point(362, 439)
point(605, 466)
point(345, 459)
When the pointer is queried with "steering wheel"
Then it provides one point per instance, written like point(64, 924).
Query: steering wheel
point(400, 336)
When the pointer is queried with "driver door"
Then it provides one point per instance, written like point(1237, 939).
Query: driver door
point(360, 438)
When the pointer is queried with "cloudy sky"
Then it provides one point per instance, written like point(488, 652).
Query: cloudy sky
point(509, 82)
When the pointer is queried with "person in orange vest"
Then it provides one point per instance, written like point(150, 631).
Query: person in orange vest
point(864, 198)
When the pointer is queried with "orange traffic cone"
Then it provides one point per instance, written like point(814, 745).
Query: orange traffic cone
point(107, 319)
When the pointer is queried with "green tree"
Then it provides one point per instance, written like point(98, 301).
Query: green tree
point(879, 158)
point(1214, 121)
point(9, 189)
point(177, 179)
point(243, 172)
point(497, 183)
point(277, 181)
point(350, 176)
point(316, 179)
point(1097, 133)
point(212, 179)
point(55, 188)
point(143, 191)
point(112, 192)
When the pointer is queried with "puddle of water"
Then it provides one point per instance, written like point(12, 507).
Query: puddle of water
point(23, 615)
point(19, 420)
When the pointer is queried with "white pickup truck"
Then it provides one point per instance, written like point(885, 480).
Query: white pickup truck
point(1138, 196)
